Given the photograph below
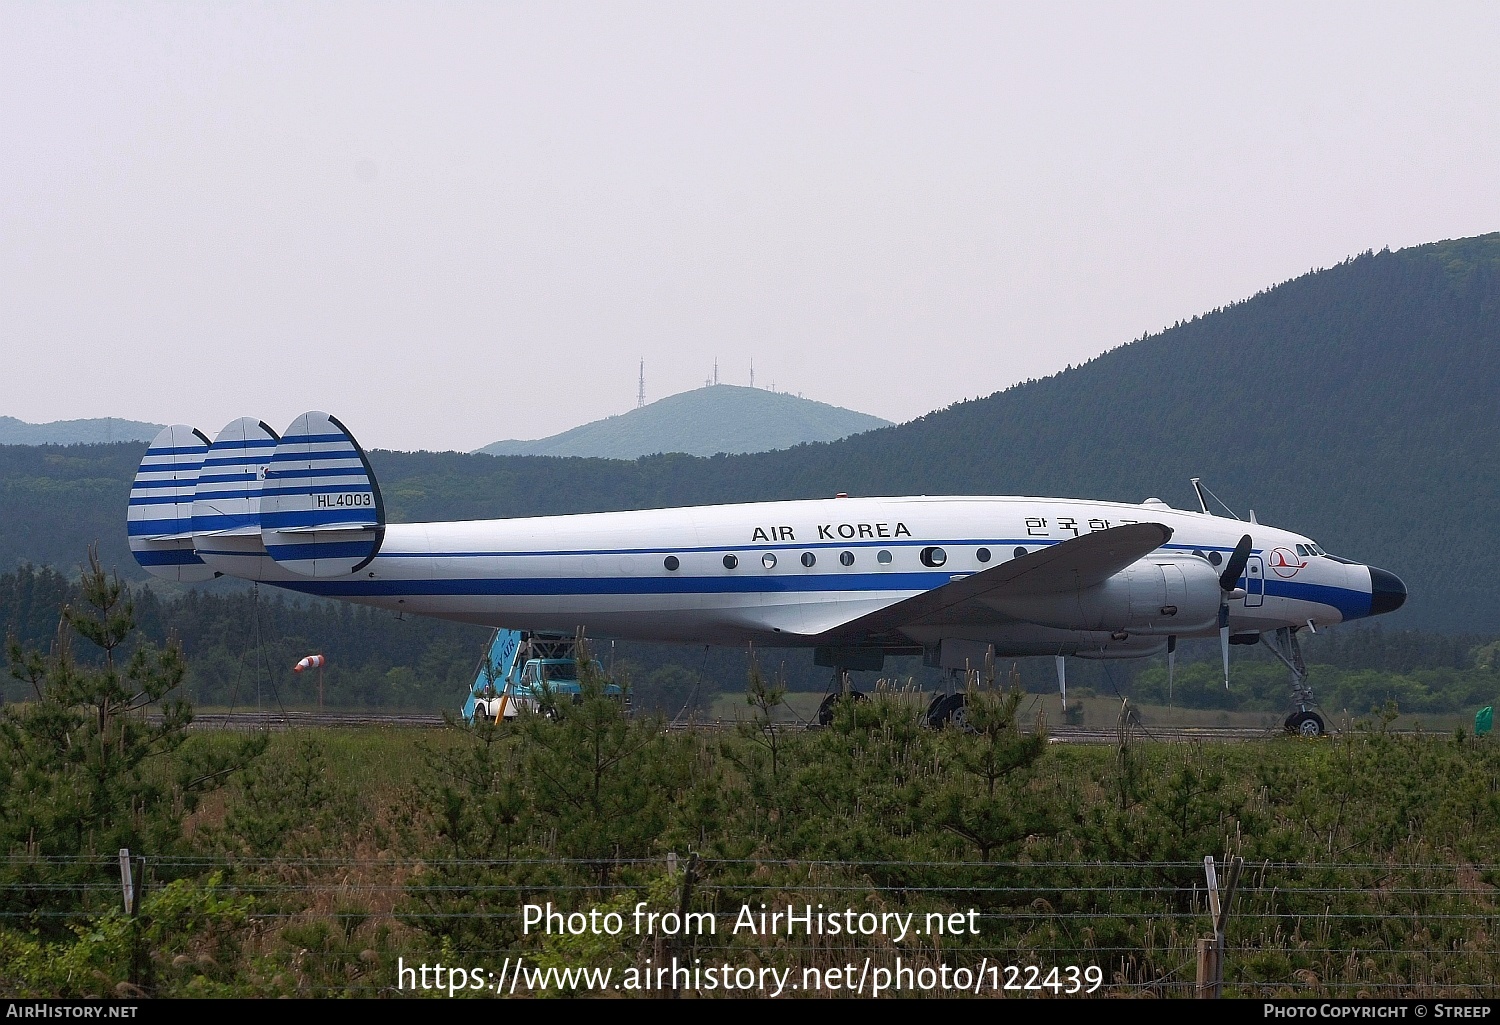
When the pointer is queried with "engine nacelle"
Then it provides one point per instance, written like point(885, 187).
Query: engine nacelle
point(1155, 596)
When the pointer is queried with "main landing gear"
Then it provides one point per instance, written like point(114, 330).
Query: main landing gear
point(946, 708)
point(1303, 721)
point(845, 690)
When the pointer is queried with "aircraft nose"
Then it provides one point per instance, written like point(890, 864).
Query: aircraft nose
point(1387, 592)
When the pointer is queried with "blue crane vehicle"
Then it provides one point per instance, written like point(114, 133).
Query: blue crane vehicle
point(524, 671)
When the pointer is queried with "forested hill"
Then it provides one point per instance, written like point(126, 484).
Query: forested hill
point(1354, 403)
point(75, 432)
point(702, 422)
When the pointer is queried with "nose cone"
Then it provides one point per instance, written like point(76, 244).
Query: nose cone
point(1387, 592)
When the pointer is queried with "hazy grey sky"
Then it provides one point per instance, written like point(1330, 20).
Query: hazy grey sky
point(451, 224)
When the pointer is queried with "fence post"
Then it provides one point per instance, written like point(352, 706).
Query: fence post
point(1208, 966)
point(132, 882)
point(127, 884)
point(689, 877)
point(1211, 949)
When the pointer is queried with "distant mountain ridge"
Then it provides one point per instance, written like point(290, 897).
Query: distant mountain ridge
point(102, 430)
point(702, 422)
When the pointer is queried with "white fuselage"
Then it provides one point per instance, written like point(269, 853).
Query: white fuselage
point(784, 573)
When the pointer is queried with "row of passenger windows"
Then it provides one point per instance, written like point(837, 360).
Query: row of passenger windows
point(932, 557)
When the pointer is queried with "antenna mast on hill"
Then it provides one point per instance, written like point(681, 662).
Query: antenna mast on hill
point(752, 373)
point(640, 394)
point(716, 370)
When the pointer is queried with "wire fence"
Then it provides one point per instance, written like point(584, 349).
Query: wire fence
point(321, 926)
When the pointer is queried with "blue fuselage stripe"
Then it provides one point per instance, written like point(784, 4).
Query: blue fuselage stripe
point(1351, 604)
point(168, 557)
point(322, 550)
point(854, 582)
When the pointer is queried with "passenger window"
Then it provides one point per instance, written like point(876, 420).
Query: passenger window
point(1018, 552)
point(983, 555)
point(808, 558)
point(884, 558)
point(768, 560)
point(731, 561)
point(671, 562)
point(847, 558)
point(934, 557)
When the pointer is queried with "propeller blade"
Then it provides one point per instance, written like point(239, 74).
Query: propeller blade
point(1224, 647)
point(1171, 665)
point(1062, 682)
point(1230, 578)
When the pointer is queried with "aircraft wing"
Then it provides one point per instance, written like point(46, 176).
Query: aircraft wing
point(1066, 566)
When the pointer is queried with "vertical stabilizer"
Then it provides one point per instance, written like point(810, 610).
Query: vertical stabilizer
point(320, 508)
point(226, 503)
point(160, 515)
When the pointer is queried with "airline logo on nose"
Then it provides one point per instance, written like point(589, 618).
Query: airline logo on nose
point(1285, 562)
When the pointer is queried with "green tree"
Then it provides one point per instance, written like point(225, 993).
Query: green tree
point(990, 749)
point(84, 770)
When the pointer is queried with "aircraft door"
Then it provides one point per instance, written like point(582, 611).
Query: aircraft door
point(1255, 582)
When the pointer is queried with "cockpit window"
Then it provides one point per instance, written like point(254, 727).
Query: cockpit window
point(1302, 550)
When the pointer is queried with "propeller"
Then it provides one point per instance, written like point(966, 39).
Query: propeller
point(1062, 681)
point(1228, 581)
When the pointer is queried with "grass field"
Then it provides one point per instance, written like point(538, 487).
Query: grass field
point(1371, 857)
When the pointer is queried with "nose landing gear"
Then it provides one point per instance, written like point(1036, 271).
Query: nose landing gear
point(1302, 722)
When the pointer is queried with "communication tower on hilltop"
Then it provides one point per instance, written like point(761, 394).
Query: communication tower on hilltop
point(716, 370)
point(752, 373)
point(640, 394)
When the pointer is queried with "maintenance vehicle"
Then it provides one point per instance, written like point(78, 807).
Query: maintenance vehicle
point(525, 671)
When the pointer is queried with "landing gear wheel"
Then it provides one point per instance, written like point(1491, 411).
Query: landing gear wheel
point(825, 710)
point(1306, 724)
point(945, 709)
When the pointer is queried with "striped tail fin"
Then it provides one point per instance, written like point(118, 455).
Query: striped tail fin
point(320, 509)
point(160, 515)
point(226, 503)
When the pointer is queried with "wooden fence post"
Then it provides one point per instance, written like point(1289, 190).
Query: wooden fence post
point(1211, 949)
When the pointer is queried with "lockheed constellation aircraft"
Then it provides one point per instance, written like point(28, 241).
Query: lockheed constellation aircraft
point(857, 579)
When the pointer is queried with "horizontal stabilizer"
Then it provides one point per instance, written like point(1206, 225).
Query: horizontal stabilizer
point(321, 513)
point(160, 515)
point(1066, 566)
point(332, 528)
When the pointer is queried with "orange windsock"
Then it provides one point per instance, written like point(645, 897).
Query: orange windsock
point(310, 662)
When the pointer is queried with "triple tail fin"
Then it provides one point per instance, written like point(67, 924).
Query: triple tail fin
point(321, 513)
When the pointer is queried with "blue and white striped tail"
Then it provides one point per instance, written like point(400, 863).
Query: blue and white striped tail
point(320, 508)
point(226, 503)
point(160, 516)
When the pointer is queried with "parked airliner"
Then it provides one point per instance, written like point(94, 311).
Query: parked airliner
point(857, 579)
